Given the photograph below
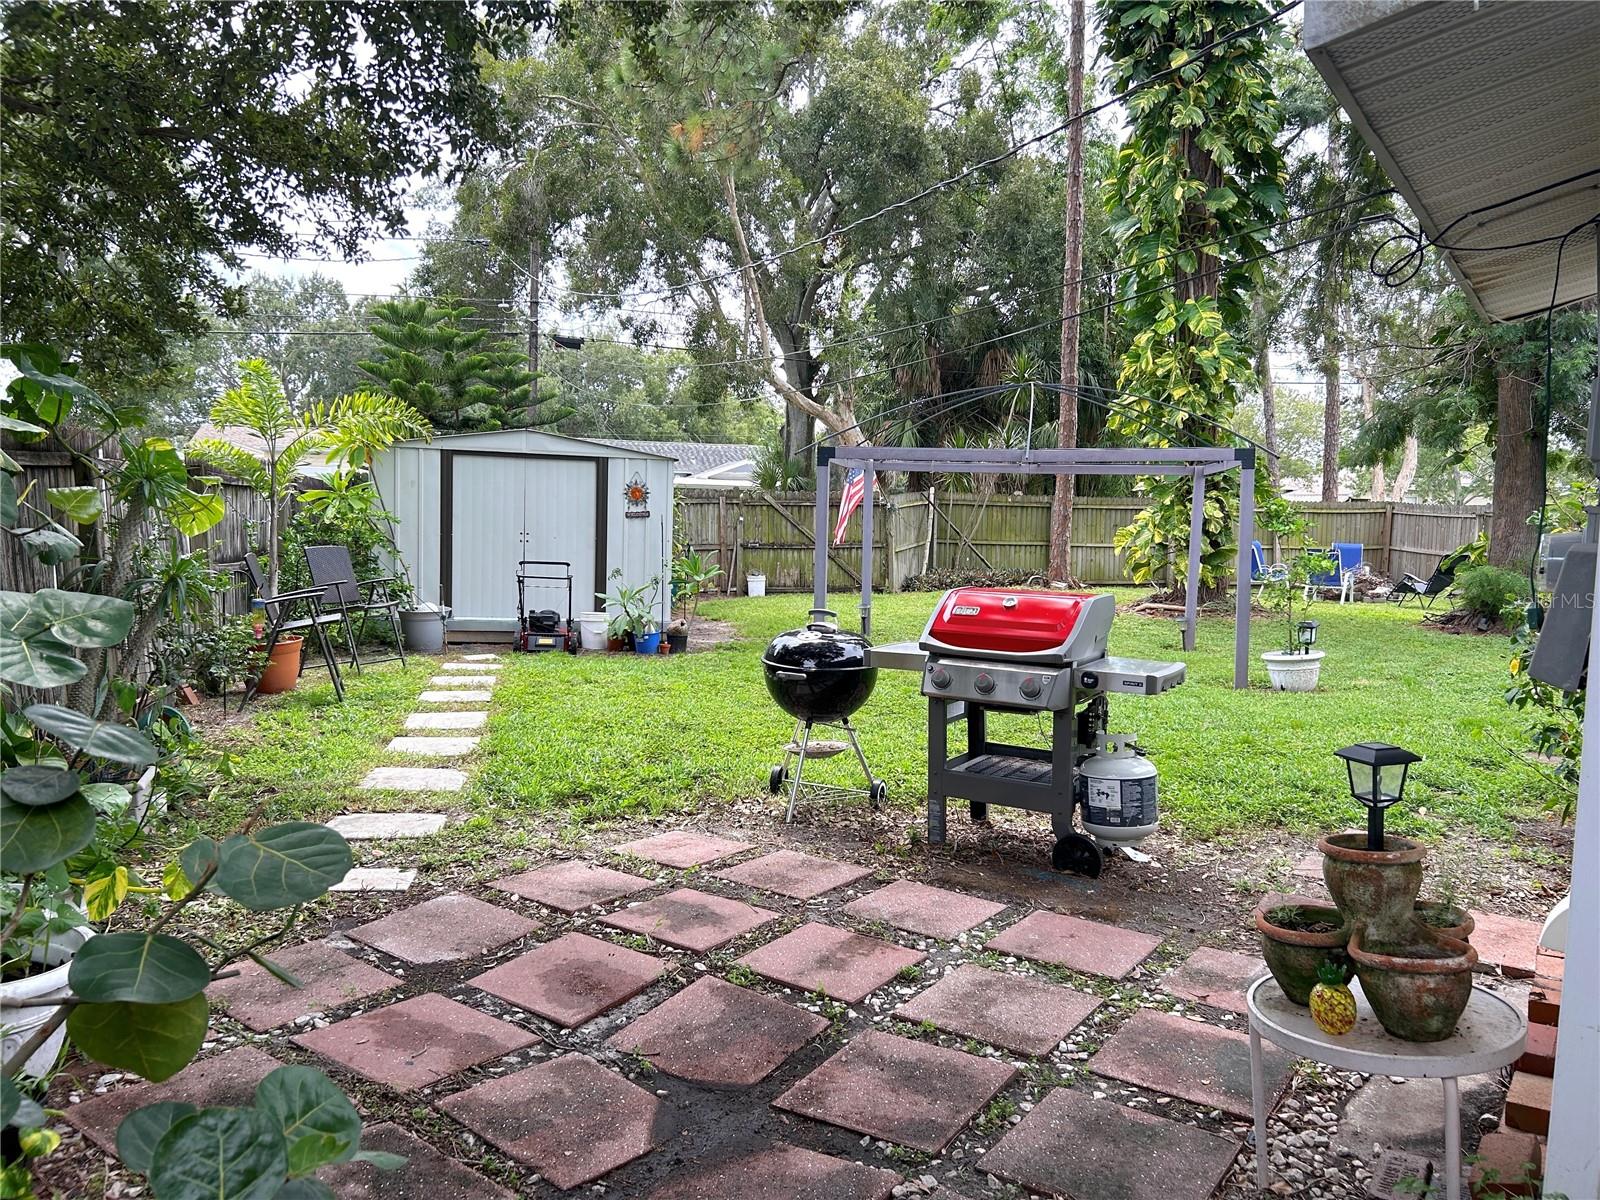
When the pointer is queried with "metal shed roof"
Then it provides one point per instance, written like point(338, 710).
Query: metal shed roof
point(1469, 105)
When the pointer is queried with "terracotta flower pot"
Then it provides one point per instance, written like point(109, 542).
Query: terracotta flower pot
point(1294, 956)
point(1375, 889)
point(1419, 991)
point(1447, 920)
point(282, 671)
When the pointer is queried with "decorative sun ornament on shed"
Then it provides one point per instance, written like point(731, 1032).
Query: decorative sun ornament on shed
point(637, 493)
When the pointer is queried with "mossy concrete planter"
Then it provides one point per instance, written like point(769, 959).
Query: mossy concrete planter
point(1294, 956)
point(1376, 890)
point(1447, 920)
point(1417, 992)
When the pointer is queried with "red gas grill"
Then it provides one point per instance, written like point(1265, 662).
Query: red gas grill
point(1025, 651)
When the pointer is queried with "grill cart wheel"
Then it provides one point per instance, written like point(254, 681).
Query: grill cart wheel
point(776, 778)
point(877, 793)
point(1078, 854)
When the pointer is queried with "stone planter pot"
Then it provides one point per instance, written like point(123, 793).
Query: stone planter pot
point(1376, 890)
point(1418, 992)
point(1447, 920)
point(1293, 672)
point(1294, 956)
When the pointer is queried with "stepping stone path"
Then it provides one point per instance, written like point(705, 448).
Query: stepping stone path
point(918, 908)
point(444, 929)
point(1191, 1060)
point(433, 747)
point(456, 696)
point(681, 848)
point(1010, 1011)
point(415, 779)
point(780, 1170)
point(573, 979)
point(790, 873)
point(715, 1033)
point(846, 966)
point(470, 666)
point(376, 879)
point(426, 1175)
point(546, 1117)
point(470, 681)
point(447, 720)
point(1076, 944)
point(416, 1042)
point(260, 1000)
point(1072, 1145)
point(902, 1091)
point(358, 827)
point(222, 1080)
point(691, 920)
point(572, 886)
point(1215, 977)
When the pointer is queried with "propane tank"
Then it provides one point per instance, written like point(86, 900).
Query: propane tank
point(1116, 791)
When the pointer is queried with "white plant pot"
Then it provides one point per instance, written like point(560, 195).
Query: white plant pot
point(18, 1024)
point(1293, 672)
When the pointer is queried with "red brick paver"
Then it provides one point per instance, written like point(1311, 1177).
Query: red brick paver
point(911, 1093)
point(777, 1171)
point(713, 1032)
point(683, 848)
point(444, 929)
point(1528, 1102)
point(1191, 1060)
point(427, 1174)
point(846, 966)
point(1215, 977)
point(1019, 1014)
point(1509, 943)
point(569, 1118)
point(691, 919)
point(223, 1080)
point(572, 979)
point(572, 886)
point(790, 873)
point(416, 1042)
point(331, 978)
point(931, 911)
point(1072, 1145)
point(1076, 944)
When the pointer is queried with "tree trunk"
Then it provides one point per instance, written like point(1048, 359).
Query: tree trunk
point(1269, 405)
point(1060, 567)
point(1377, 489)
point(1408, 471)
point(1518, 450)
point(1330, 428)
point(535, 269)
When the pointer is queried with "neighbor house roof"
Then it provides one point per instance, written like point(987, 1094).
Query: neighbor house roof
point(701, 460)
point(315, 466)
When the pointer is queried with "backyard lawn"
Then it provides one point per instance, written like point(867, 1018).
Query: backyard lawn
point(604, 736)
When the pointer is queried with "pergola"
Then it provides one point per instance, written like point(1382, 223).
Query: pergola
point(1199, 463)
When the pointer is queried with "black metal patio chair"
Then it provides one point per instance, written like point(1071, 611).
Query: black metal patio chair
point(1442, 580)
point(281, 621)
point(332, 570)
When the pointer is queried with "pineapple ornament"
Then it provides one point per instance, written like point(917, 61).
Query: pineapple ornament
point(1333, 1006)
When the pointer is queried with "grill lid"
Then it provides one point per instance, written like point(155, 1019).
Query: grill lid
point(819, 646)
point(1021, 624)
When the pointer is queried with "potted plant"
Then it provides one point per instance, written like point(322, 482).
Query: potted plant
point(1297, 666)
point(1298, 940)
point(692, 574)
point(632, 612)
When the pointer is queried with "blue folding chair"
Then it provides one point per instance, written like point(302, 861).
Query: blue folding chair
point(1348, 557)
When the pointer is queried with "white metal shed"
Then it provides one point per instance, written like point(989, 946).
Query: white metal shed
point(469, 506)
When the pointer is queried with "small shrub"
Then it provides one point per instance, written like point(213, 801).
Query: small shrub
point(943, 578)
point(1492, 593)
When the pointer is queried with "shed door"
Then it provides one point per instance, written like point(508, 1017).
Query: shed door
point(506, 508)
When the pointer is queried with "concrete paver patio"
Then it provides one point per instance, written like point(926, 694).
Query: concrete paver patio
point(690, 919)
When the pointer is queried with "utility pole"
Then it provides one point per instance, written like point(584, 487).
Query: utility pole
point(1071, 293)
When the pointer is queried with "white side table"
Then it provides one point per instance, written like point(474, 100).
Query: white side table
point(1489, 1035)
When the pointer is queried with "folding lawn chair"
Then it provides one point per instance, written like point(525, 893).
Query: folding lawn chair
point(1441, 581)
point(332, 571)
point(281, 621)
point(1347, 563)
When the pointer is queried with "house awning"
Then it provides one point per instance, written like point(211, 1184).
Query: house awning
point(1486, 115)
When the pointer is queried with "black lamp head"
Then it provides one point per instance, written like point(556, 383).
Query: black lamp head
point(1377, 779)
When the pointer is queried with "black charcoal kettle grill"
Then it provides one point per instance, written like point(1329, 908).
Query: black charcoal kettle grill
point(820, 675)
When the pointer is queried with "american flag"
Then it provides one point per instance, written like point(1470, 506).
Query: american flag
point(850, 499)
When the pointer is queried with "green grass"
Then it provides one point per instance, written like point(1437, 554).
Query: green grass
point(599, 737)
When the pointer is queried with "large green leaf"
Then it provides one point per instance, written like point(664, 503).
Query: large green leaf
point(10, 1100)
point(319, 1123)
point(37, 787)
point(30, 653)
point(145, 968)
point(102, 739)
point(282, 865)
point(52, 545)
point(198, 857)
point(76, 618)
point(220, 1154)
point(154, 1041)
point(143, 1128)
point(16, 425)
point(35, 839)
point(9, 508)
point(82, 504)
point(192, 512)
point(305, 1189)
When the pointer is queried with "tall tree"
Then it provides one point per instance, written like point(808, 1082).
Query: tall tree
point(1197, 178)
point(1060, 566)
point(146, 144)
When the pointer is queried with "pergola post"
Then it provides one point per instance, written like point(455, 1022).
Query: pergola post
point(1191, 590)
point(819, 568)
point(1241, 581)
point(868, 486)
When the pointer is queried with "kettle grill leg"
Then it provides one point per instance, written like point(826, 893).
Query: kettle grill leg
point(799, 770)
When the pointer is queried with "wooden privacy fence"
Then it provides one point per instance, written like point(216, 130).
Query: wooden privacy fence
point(749, 531)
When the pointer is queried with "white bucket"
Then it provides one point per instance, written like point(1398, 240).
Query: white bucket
point(592, 630)
point(755, 584)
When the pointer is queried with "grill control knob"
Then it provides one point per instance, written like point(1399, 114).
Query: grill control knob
point(1030, 687)
point(984, 683)
point(940, 678)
